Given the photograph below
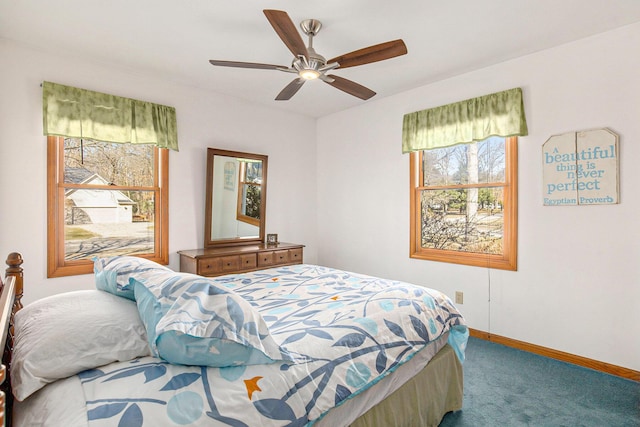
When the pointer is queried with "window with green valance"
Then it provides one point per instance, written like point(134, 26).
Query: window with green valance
point(476, 119)
point(80, 113)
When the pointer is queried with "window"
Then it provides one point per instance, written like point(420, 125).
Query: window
point(250, 185)
point(105, 199)
point(464, 204)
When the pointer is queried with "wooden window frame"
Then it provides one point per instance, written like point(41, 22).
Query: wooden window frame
point(57, 266)
point(242, 181)
point(505, 261)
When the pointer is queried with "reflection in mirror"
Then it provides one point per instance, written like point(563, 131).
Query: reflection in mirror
point(249, 190)
point(236, 197)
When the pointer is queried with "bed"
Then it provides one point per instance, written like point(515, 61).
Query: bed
point(289, 346)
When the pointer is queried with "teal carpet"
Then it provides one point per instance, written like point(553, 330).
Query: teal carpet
point(508, 387)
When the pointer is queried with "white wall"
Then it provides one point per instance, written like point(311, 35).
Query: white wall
point(205, 119)
point(577, 288)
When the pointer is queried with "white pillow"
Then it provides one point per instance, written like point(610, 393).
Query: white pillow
point(64, 334)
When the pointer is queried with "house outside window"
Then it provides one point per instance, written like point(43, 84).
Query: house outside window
point(464, 203)
point(105, 199)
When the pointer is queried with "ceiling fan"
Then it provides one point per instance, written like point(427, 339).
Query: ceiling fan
point(309, 65)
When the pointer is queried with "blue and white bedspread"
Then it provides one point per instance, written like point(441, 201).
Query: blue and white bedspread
point(346, 331)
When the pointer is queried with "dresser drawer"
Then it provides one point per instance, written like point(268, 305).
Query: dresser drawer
point(281, 257)
point(248, 261)
point(230, 263)
point(295, 255)
point(266, 259)
point(207, 266)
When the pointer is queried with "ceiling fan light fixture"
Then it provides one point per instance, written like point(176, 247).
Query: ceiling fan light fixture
point(309, 74)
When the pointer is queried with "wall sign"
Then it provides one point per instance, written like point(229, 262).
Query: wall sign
point(230, 176)
point(581, 168)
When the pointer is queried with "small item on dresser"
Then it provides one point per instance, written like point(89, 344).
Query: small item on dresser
point(272, 239)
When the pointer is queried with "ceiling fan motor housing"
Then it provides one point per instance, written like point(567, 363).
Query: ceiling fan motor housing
point(309, 69)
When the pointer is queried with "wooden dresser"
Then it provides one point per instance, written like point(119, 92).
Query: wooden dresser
point(239, 259)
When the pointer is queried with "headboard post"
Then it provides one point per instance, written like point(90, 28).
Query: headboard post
point(14, 261)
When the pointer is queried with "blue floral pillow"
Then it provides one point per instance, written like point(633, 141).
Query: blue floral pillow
point(192, 321)
point(112, 274)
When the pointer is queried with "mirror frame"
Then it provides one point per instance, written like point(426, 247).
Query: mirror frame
point(208, 241)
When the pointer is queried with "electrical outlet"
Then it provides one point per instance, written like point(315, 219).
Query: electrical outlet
point(459, 297)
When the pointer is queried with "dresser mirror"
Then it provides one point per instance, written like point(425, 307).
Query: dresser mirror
point(236, 198)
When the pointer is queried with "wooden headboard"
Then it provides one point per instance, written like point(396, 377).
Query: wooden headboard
point(10, 302)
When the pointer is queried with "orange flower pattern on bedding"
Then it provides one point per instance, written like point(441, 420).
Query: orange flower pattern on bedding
point(252, 385)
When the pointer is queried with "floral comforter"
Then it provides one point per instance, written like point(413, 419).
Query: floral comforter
point(346, 331)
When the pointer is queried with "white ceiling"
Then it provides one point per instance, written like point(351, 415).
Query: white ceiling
point(174, 39)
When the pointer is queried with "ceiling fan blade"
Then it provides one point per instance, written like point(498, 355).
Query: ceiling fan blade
point(350, 87)
point(246, 65)
point(290, 89)
point(378, 52)
point(283, 25)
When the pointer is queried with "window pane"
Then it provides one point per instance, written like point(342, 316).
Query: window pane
point(253, 171)
point(445, 166)
point(105, 163)
point(251, 200)
point(108, 222)
point(481, 162)
point(491, 160)
point(466, 220)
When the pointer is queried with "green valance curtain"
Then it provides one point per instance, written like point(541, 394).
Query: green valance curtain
point(78, 113)
point(497, 114)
